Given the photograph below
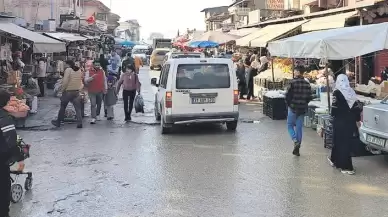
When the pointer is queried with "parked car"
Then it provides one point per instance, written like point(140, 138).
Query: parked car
point(157, 57)
point(179, 55)
point(374, 127)
point(194, 91)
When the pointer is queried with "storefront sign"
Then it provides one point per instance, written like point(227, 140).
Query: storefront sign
point(275, 4)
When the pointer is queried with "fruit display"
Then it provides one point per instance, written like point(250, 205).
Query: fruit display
point(312, 75)
point(284, 64)
point(15, 105)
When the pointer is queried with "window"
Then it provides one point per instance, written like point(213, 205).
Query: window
point(203, 76)
point(178, 56)
point(161, 52)
point(164, 76)
point(139, 51)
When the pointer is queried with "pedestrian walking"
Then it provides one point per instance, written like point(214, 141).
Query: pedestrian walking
point(138, 64)
point(110, 98)
point(130, 82)
point(41, 74)
point(346, 112)
point(298, 97)
point(240, 72)
point(250, 74)
point(104, 64)
point(129, 60)
point(8, 149)
point(96, 84)
point(71, 86)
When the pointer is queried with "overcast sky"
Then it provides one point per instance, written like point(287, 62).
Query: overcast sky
point(164, 16)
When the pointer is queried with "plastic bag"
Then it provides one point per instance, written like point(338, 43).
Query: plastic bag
point(139, 104)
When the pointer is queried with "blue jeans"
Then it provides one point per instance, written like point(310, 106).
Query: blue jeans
point(295, 126)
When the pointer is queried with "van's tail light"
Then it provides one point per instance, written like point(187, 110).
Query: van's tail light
point(168, 99)
point(235, 97)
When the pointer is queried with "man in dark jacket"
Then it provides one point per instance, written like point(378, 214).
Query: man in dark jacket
point(240, 73)
point(8, 150)
point(298, 97)
point(129, 60)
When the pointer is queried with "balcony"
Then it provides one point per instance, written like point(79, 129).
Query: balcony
point(240, 11)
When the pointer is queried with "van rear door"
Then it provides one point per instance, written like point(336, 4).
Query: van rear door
point(202, 86)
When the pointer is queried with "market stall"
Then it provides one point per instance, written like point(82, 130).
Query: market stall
point(334, 44)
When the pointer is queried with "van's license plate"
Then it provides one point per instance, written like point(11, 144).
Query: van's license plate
point(203, 100)
point(375, 140)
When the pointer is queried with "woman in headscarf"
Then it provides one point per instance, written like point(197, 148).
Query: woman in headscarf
point(346, 112)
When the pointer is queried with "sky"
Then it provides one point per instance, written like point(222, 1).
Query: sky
point(164, 16)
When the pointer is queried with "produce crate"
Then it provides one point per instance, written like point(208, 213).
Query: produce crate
point(275, 108)
point(328, 131)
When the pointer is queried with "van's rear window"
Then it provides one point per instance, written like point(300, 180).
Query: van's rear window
point(181, 56)
point(202, 76)
point(161, 53)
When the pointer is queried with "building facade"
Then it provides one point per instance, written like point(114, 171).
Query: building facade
point(129, 30)
point(35, 12)
point(215, 16)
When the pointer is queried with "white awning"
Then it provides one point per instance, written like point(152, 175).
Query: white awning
point(42, 44)
point(333, 44)
point(328, 22)
point(274, 32)
point(65, 36)
point(261, 37)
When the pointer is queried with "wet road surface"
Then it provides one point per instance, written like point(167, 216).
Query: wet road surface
point(117, 169)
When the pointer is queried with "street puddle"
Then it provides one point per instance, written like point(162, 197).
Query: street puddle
point(89, 160)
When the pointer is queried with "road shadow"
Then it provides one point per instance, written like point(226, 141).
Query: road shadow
point(201, 129)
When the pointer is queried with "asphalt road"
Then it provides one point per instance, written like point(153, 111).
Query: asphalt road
point(114, 169)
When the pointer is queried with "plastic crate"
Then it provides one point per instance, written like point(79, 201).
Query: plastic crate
point(275, 108)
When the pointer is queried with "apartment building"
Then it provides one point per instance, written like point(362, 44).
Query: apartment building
point(215, 16)
point(129, 30)
point(35, 12)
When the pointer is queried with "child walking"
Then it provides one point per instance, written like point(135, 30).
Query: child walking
point(110, 98)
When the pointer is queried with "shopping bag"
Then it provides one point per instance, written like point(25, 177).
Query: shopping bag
point(139, 104)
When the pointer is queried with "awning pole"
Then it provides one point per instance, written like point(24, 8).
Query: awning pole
point(359, 58)
point(293, 67)
point(273, 73)
point(327, 86)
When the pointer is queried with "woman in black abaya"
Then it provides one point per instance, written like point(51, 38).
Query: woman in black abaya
point(346, 112)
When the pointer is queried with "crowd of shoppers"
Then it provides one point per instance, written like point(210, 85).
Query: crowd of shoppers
point(102, 83)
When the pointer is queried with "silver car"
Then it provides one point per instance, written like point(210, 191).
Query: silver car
point(374, 128)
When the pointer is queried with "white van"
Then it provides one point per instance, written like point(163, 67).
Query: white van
point(196, 90)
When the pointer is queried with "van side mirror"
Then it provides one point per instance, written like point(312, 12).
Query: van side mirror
point(153, 82)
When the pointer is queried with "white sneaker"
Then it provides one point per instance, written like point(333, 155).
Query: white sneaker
point(330, 162)
point(98, 118)
point(93, 121)
point(348, 172)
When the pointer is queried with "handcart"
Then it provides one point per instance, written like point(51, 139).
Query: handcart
point(17, 191)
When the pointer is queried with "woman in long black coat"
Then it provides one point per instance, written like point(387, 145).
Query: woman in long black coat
point(346, 112)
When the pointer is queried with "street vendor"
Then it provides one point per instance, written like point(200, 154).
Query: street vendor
point(8, 149)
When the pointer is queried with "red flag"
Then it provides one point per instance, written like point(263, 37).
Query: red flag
point(91, 19)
